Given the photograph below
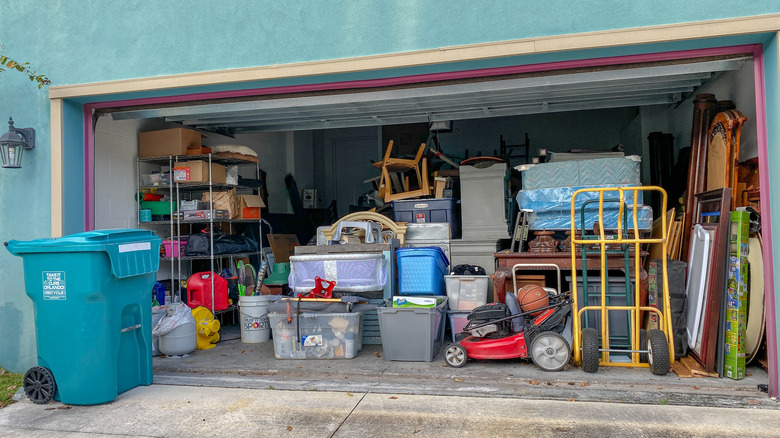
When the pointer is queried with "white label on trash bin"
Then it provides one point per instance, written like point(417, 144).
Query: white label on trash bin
point(130, 247)
point(54, 285)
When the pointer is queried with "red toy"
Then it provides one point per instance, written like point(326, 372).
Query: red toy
point(319, 291)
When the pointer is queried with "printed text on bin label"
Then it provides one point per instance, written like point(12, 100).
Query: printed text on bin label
point(54, 285)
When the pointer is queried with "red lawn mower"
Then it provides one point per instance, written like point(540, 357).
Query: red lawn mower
point(534, 324)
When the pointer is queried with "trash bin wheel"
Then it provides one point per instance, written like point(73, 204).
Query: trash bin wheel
point(550, 351)
point(455, 355)
point(658, 353)
point(590, 350)
point(39, 385)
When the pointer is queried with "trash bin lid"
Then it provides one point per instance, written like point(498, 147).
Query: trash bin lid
point(86, 241)
point(132, 251)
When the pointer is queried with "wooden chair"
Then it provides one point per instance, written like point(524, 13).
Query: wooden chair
point(393, 166)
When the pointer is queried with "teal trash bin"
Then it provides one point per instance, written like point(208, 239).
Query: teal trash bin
point(91, 296)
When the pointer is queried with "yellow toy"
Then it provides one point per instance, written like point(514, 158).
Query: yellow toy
point(208, 328)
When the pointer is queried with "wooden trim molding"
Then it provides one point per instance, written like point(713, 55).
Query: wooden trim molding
point(57, 206)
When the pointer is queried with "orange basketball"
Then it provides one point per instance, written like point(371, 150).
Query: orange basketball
point(532, 297)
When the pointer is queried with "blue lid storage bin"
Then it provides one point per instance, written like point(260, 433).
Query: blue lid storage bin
point(413, 334)
point(421, 271)
point(419, 211)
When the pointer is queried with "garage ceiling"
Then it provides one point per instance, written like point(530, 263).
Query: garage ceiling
point(613, 87)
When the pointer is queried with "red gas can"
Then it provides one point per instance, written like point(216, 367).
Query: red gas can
point(199, 291)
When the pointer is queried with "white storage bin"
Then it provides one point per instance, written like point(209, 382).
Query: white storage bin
point(465, 292)
point(321, 336)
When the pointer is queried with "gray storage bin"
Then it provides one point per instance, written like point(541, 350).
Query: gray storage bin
point(412, 334)
point(423, 211)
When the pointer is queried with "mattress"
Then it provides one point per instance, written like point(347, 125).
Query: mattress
point(559, 198)
point(596, 172)
point(555, 220)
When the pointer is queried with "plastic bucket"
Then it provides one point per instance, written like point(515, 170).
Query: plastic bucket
point(180, 341)
point(254, 318)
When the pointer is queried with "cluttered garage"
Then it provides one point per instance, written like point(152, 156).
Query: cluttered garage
point(572, 218)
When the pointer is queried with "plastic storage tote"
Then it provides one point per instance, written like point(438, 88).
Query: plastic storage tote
point(466, 292)
point(321, 335)
point(423, 211)
point(351, 272)
point(458, 320)
point(421, 271)
point(91, 295)
point(412, 334)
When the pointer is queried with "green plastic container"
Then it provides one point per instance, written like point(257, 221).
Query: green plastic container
point(91, 295)
point(158, 207)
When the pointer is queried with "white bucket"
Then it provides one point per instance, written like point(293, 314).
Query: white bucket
point(179, 341)
point(255, 326)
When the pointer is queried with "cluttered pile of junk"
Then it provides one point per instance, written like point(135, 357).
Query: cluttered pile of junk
point(564, 258)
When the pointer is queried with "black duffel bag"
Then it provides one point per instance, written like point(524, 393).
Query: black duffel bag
point(200, 244)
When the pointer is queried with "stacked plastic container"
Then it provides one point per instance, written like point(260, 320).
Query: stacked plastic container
point(312, 334)
point(413, 324)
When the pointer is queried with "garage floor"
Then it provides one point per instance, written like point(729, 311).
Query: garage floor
point(233, 364)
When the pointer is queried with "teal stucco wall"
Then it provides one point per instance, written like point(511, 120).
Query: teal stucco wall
point(84, 41)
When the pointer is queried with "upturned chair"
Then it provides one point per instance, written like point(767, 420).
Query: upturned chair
point(391, 166)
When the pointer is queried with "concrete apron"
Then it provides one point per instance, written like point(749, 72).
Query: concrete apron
point(233, 364)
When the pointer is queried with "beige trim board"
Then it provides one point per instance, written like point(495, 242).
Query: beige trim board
point(472, 52)
point(56, 168)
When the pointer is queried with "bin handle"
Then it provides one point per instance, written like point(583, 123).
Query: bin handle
point(132, 327)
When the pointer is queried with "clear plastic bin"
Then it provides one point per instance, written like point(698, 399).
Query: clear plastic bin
point(466, 292)
point(321, 335)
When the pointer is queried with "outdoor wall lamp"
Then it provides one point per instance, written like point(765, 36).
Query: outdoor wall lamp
point(14, 142)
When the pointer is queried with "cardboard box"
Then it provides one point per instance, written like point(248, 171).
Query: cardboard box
point(198, 171)
point(282, 246)
point(653, 296)
point(736, 297)
point(167, 142)
point(740, 229)
point(224, 200)
point(189, 215)
point(193, 205)
point(405, 301)
point(250, 206)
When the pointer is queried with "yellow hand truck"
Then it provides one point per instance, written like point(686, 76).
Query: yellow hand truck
point(591, 346)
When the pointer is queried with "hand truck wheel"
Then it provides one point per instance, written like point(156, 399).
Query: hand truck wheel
point(39, 385)
point(643, 345)
point(590, 350)
point(658, 353)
